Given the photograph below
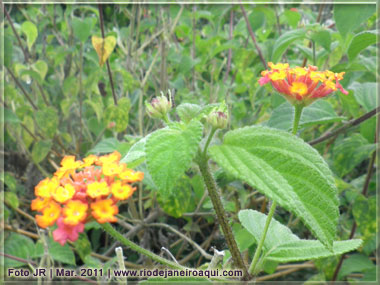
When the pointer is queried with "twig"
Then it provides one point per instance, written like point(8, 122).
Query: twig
point(347, 125)
point(22, 89)
point(253, 36)
point(107, 62)
point(218, 256)
point(279, 274)
point(189, 240)
point(169, 254)
point(229, 50)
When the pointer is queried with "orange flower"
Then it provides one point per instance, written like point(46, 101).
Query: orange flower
point(120, 191)
point(49, 215)
point(131, 176)
point(39, 203)
point(301, 85)
point(74, 212)
point(45, 187)
point(97, 189)
point(63, 194)
point(104, 211)
point(109, 158)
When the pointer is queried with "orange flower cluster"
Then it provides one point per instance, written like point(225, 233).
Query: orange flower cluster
point(81, 189)
point(302, 85)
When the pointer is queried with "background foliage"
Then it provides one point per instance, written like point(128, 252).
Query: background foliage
point(58, 101)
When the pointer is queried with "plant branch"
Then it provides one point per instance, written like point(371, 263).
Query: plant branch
point(221, 214)
point(107, 61)
point(229, 59)
point(119, 237)
point(22, 89)
point(351, 123)
point(253, 36)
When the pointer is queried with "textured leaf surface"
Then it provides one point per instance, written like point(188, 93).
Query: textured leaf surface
point(360, 42)
point(31, 32)
point(281, 245)
point(169, 153)
point(288, 171)
point(18, 246)
point(103, 47)
point(136, 154)
point(365, 94)
point(321, 112)
point(47, 119)
point(283, 42)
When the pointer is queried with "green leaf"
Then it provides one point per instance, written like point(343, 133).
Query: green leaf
point(355, 263)
point(19, 246)
point(187, 111)
point(118, 114)
point(40, 150)
point(364, 211)
point(41, 67)
point(9, 116)
point(288, 171)
point(365, 94)
point(349, 152)
point(61, 253)
point(10, 181)
point(256, 19)
point(349, 17)
point(83, 246)
point(96, 103)
point(360, 42)
point(292, 18)
point(82, 28)
point(109, 145)
point(169, 153)
point(8, 50)
point(136, 154)
point(31, 32)
point(11, 199)
point(284, 41)
point(281, 245)
point(321, 112)
point(322, 38)
point(47, 120)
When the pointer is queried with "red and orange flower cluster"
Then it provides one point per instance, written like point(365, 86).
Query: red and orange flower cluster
point(80, 190)
point(301, 85)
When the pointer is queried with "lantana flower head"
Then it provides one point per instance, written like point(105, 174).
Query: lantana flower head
point(81, 191)
point(301, 85)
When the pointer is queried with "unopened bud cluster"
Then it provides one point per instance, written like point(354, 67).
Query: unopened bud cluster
point(159, 106)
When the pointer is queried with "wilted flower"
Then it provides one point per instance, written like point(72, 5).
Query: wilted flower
point(302, 85)
point(80, 190)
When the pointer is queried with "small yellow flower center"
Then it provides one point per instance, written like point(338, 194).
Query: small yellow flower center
point(299, 88)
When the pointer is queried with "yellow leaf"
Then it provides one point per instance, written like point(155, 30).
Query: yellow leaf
point(103, 47)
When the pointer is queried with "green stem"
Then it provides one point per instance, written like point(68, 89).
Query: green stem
point(297, 117)
point(261, 242)
point(211, 135)
point(119, 237)
point(220, 213)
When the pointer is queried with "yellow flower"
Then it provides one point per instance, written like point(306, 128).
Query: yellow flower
point(46, 187)
point(109, 158)
point(97, 189)
point(63, 194)
point(74, 212)
point(89, 160)
point(131, 176)
point(110, 169)
point(120, 191)
point(68, 166)
point(49, 215)
point(104, 211)
point(299, 88)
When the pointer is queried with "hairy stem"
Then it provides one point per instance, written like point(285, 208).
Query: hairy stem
point(221, 214)
point(119, 237)
point(297, 117)
point(256, 257)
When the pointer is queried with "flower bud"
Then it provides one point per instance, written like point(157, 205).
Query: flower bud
point(158, 107)
point(217, 119)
